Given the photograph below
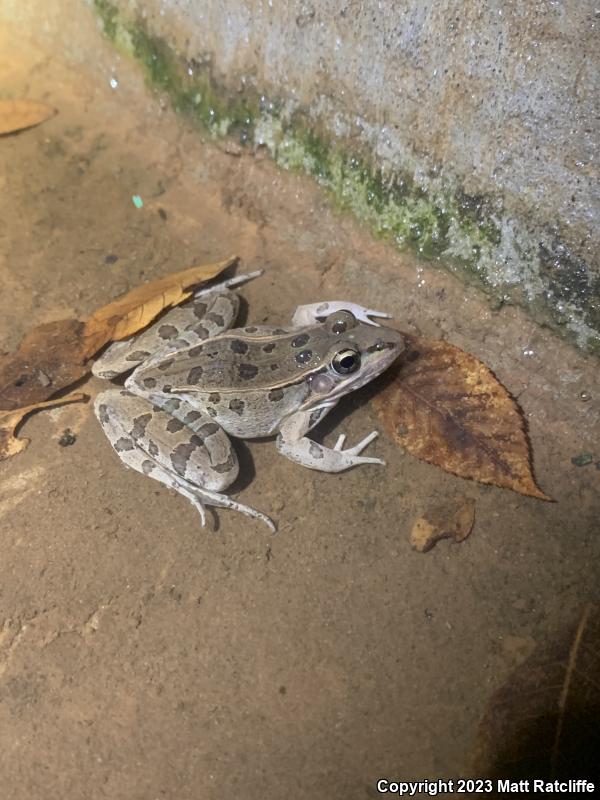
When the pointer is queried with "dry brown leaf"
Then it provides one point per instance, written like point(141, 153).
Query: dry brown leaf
point(10, 445)
point(16, 115)
point(447, 408)
point(450, 520)
point(543, 722)
point(49, 359)
point(136, 309)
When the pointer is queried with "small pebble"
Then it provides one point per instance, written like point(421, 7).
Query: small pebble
point(585, 396)
point(68, 438)
point(582, 460)
point(162, 213)
point(111, 258)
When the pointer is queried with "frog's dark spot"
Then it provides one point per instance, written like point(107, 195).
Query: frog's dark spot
point(301, 340)
point(126, 393)
point(195, 351)
point(213, 353)
point(214, 397)
point(338, 327)
point(167, 331)
point(323, 307)
point(181, 454)
point(172, 404)
point(167, 388)
point(195, 374)
point(152, 448)
point(247, 371)
point(103, 413)
point(139, 425)
point(179, 344)
point(304, 356)
point(275, 395)
point(279, 331)
point(274, 366)
point(147, 466)
point(174, 425)
point(238, 346)
point(149, 383)
point(211, 411)
point(251, 329)
point(192, 416)
point(225, 466)
point(237, 406)
point(315, 451)
point(315, 416)
point(137, 355)
point(207, 429)
point(123, 444)
point(199, 310)
point(164, 365)
point(216, 318)
point(268, 348)
point(201, 331)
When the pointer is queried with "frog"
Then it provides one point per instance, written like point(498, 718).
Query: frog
point(194, 382)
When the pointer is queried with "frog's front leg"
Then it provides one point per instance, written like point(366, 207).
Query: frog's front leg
point(182, 448)
point(314, 312)
point(295, 445)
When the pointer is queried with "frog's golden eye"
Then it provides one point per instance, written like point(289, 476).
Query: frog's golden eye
point(341, 321)
point(346, 361)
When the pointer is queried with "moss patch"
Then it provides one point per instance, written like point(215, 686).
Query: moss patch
point(433, 217)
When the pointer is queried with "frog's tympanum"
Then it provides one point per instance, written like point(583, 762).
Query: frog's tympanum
point(196, 381)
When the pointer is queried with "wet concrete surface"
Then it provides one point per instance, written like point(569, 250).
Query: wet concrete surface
point(142, 656)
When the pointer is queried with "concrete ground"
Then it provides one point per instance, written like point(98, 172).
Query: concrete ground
point(144, 657)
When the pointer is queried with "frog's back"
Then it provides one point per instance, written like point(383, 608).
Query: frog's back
point(241, 360)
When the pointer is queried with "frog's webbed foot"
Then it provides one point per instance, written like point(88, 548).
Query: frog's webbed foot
point(200, 497)
point(313, 455)
point(309, 314)
point(228, 283)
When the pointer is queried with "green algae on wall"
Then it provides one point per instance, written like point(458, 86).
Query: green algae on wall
point(434, 216)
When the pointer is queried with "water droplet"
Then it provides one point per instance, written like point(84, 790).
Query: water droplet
point(114, 83)
point(584, 396)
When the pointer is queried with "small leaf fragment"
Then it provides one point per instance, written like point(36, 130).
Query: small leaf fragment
point(450, 520)
point(10, 445)
point(49, 358)
point(447, 408)
point(16, 115)
point(138, 308)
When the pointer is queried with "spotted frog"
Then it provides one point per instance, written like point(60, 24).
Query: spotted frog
point(196, 381)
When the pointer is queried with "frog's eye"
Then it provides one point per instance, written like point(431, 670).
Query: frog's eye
point(346, 361)
point(341, 321)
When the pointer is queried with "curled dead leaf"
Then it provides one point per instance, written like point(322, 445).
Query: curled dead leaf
point(16, 115)
point(449, 520)
point(139, 307)
point(10, 444)
point(447, 408)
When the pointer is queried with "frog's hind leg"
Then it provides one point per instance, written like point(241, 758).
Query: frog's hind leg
point(195, 457)
point(212, 310)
